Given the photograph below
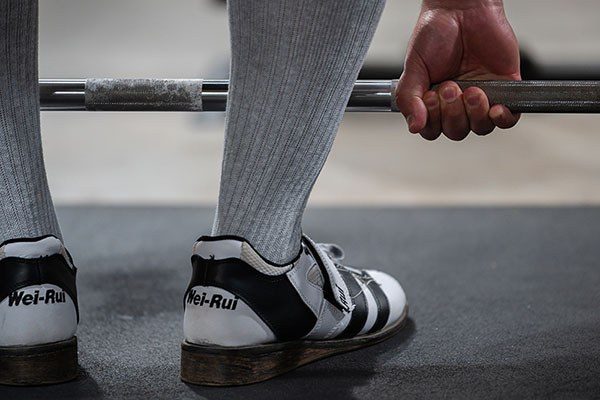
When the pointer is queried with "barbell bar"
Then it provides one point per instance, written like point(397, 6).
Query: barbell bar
point(107, 94)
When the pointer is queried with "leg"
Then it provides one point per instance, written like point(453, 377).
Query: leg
point(26, 208)
point(293, 66)
point(38, 299)
point(246, 319)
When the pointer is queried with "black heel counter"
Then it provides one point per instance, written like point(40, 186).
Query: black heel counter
point(17, 273)
point(272, 297)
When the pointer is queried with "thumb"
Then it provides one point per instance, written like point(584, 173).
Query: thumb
point(413, 84)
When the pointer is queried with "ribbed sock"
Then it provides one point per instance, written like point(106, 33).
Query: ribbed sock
point(26, 208)
point(293, 66)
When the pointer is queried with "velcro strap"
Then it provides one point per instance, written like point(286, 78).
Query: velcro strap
point(337, 286)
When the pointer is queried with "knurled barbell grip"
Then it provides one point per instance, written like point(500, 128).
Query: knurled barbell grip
point(542, 96)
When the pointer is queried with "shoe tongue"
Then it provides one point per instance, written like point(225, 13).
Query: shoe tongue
point(32, 248)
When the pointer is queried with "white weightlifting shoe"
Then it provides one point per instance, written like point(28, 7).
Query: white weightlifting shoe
point(38, 312)
point(247, 320)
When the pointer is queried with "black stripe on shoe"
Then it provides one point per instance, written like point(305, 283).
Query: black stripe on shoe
point(273, 298)
point(17, 273)
point(383, 305)
point(360, 312)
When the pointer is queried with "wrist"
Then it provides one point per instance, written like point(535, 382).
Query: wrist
point(461, 4)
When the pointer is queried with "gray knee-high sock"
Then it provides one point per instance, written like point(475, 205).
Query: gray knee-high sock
point(293, 66)
point(25, 204)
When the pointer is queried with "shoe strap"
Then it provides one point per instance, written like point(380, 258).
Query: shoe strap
point(335, 252)
point(336, 283)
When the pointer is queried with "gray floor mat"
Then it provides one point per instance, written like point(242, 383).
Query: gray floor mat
point(504, 303)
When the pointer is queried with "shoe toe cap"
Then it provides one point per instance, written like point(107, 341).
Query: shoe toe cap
point(394, 293)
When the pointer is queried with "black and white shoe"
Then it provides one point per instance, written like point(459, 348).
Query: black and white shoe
point(247, 320)
point(38, 312)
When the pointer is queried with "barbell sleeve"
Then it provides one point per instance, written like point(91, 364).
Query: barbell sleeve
point(107, 94)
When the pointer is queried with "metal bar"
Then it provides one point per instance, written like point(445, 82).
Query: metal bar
point(371, 96)
point(542, 96)
point(62, 94)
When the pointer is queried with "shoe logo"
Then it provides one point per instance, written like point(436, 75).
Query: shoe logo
point(214, 301)
point(50, 296)
point(343, 299)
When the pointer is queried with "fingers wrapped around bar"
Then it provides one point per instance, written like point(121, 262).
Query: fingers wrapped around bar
point(456, 113)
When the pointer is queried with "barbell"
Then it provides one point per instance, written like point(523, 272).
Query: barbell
point(107, 94)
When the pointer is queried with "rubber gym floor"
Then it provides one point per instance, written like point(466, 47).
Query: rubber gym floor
point(503, 304)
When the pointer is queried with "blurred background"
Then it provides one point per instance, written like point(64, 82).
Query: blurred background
point(174, 158)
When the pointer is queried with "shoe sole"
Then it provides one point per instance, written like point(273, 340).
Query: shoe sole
point(223, 366)
point(39, 365)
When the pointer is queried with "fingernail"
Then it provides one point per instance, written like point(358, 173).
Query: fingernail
point(473, 101)
point(495, 113)
point(449, 94)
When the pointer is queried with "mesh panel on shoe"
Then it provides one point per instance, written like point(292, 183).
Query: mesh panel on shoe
point(252, 258)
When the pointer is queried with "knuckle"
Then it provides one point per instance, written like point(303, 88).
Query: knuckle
point(504, 123)
point(430, 135)
point(483, 131)
point(482, 126)
point(433, 120)
point(455, 113)
point(457, 135)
